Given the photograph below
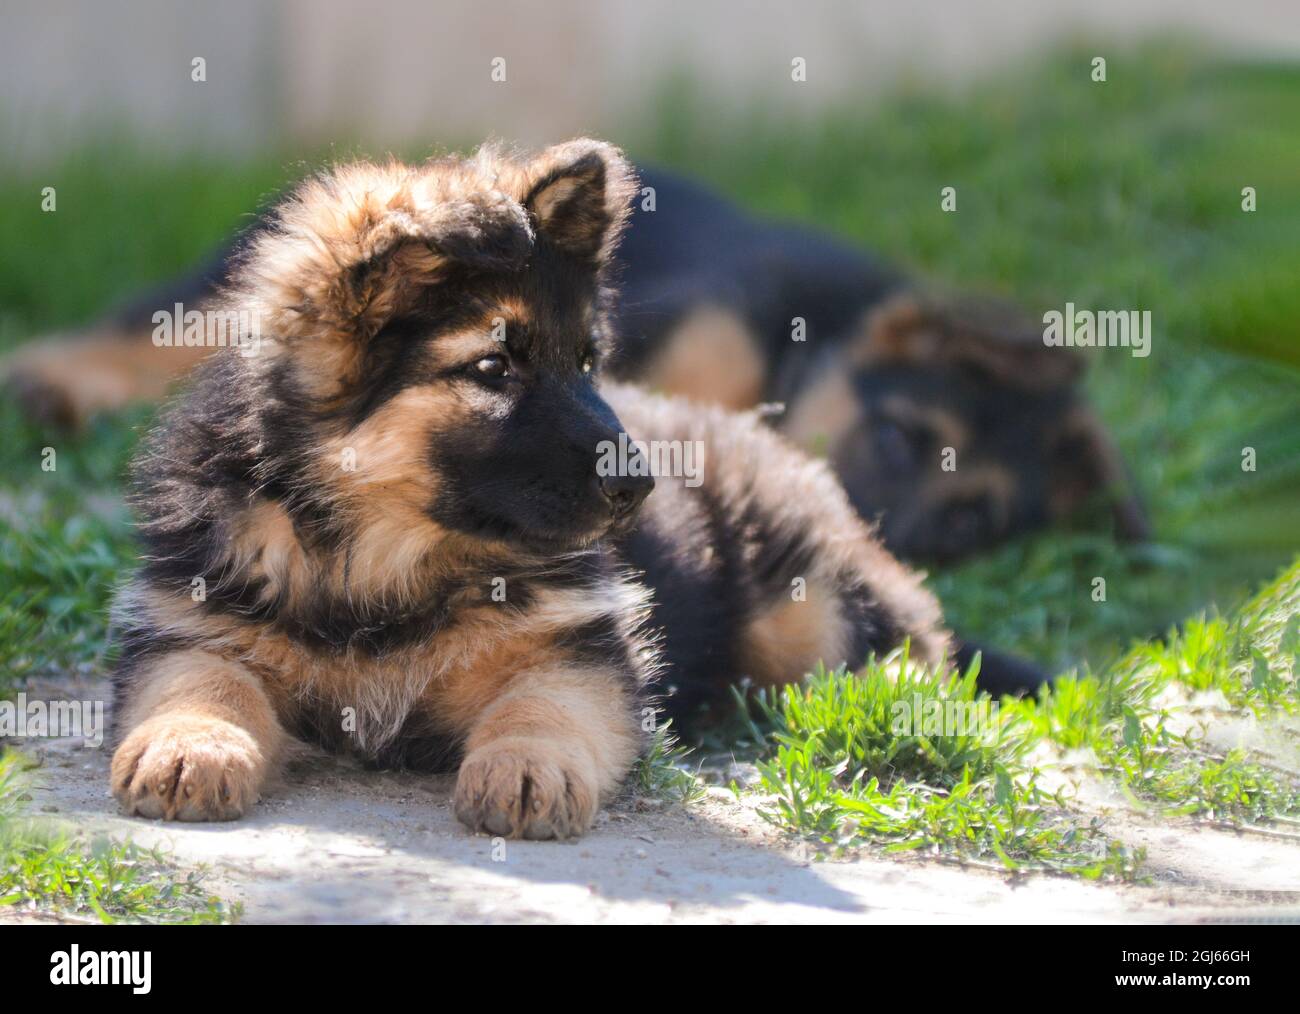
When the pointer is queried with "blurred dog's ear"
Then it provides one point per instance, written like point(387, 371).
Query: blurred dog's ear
point(580, 195)
point(1086, 466)
point(992, 338)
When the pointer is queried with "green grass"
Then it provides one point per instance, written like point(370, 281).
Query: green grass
point(1147, 735)
point(1119, 195)
point(59, 572)
point(46, 870)
point(839, 767)
point(65, 539)
point(665, 771)
point(843, 771)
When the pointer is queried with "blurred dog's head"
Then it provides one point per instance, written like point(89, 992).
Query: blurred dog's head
point(432, 338)
point(957, 427)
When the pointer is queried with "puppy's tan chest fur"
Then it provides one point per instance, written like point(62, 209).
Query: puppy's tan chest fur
point(362, 701)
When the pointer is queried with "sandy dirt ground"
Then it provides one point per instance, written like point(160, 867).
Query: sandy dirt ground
point(331, 842)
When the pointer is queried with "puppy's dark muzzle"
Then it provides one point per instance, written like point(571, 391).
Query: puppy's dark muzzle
point(625, 493)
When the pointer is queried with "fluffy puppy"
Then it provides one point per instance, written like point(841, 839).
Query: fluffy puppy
point(881, 375)
point(411, 526)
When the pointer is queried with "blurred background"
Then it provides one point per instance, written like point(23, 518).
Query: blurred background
point(1125, 193)
point(397, 72)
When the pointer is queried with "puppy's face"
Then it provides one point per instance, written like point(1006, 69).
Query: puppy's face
point(961, 429)
point(507, 363)
point(951, 465)
point(439, 330)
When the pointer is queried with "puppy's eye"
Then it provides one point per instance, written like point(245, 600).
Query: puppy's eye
point(896, 447)
point(492, 366)
point(587, 362)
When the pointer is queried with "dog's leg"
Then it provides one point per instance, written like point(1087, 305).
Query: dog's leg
point(542, 757)
point(62, 380)
point(1000, 673)
point(199, 736)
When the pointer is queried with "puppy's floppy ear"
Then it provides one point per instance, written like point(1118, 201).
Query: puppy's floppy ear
point(580, 194)
point(990, 337)
point(353, 247)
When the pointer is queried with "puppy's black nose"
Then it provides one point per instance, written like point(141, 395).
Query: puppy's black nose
point(625, 492)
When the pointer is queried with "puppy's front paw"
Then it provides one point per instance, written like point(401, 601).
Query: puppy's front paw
point(185, 767)
point(527, 788)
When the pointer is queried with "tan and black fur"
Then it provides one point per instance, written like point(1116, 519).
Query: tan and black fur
point(881, 376)
point(385, 532)
point(877, 371)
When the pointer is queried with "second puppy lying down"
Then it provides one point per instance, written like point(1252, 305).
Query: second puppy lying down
point(389, 531)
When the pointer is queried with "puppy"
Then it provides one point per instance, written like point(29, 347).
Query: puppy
point(876, 373)
point(946, 417)
point(414, 526)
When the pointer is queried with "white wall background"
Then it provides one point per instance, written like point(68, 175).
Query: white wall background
point(388, 72)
